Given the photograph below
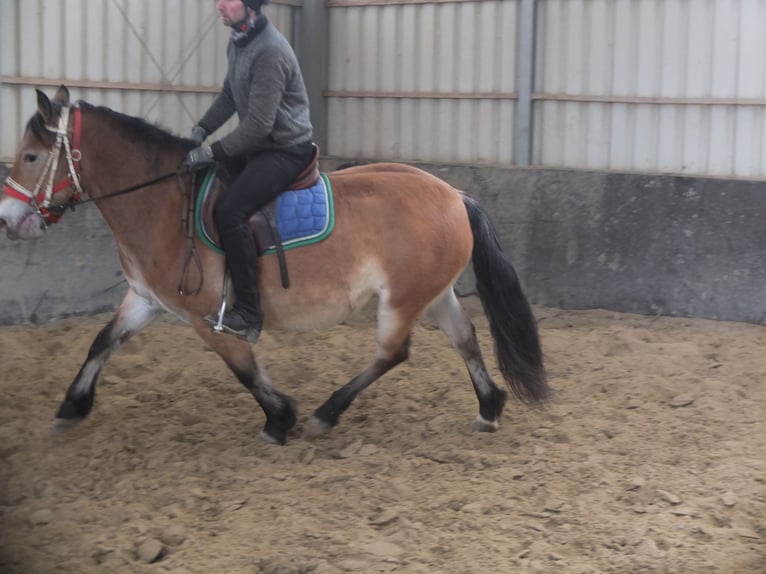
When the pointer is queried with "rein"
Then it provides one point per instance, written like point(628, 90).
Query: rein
point(72, 204)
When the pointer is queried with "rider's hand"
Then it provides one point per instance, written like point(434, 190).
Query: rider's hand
point(199, 157)
point(198, 134)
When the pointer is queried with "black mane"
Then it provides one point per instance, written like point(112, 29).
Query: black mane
point(140, 129)
point(137, 128)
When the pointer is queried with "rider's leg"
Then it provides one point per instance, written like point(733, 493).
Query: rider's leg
point(264, 177)
point(245, 319)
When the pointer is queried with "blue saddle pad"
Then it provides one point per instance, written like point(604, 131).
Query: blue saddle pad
point(305, 215)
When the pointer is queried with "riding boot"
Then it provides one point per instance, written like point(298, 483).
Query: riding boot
point(245, 318)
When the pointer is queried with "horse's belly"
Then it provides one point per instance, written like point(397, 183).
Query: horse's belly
point(320, 296)
point(309, 317)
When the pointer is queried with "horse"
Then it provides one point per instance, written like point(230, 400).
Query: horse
point(400, 234)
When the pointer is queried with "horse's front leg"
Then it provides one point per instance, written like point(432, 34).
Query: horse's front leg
point(135, 313)
point(238, 356)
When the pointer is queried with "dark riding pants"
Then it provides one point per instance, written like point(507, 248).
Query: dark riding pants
point(265, 175)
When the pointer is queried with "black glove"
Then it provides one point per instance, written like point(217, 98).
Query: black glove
point(199, 158)
point(198, 134)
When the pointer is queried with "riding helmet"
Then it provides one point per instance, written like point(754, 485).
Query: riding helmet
point(255, 4)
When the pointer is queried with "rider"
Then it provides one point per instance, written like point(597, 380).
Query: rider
point(264, 86)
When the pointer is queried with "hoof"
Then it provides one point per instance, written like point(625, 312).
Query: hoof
point(76, 407)
point(279, 423)
point(490, 409)
point(266, 437)
point(315, 428)
point(483, 425)
point(61, 426)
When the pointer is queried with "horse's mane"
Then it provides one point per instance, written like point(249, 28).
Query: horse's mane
point(148, 133)
point(138, 128)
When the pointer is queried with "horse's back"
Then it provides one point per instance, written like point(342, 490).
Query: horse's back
point(378, 167)
point(396, 186)
point(384, 169)
point(390, 203)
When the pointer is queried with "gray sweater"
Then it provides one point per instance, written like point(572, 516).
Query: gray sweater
point(264, 86)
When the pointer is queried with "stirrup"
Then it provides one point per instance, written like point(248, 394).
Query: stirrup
point(218, 321)
point(249, 333)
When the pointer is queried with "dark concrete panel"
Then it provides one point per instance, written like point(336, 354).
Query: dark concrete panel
point(648, 244)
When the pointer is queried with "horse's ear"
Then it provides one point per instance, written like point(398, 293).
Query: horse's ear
point(44, 106)
point(62, 96)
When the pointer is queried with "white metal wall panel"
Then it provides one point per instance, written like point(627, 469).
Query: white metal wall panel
point(9, 101)
point(422, 81)
point(674, 86)
point(652, 85)
point(163, 60)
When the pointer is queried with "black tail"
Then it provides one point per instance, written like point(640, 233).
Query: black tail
point(511, 322)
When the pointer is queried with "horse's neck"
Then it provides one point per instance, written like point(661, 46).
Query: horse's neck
point(141, 218)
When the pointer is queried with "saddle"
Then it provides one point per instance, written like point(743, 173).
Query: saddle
point(262, 221)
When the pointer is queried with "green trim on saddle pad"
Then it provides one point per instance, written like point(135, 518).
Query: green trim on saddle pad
point(291, 244)
point(203, 190)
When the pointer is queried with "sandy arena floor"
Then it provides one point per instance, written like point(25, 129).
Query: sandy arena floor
point(651, 458)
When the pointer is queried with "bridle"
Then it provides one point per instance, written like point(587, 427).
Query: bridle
point(40, 197)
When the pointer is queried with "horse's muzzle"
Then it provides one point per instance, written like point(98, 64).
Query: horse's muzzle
point(29, 227)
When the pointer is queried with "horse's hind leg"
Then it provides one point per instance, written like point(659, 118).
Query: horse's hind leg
point(238, 356)
point(447, 313)
point(393, 348)
point(135, 313)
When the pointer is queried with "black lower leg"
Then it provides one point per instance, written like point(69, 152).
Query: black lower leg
point(81, 393)
point(491, 397)
point(340, 400)
point(278, 408)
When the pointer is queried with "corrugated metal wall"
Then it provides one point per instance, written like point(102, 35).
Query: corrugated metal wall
point(652, 85)
point(430, 81)
point(676, 86)
point(163, 60)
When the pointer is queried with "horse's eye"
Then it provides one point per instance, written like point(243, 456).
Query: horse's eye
point(29, 157)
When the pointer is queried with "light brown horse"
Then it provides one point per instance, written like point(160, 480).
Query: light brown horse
point(400, 233)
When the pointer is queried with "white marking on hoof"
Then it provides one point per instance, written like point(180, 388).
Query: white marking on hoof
point(265, 437)
point(60, 426)
point(315, 428)
point(483, 425)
